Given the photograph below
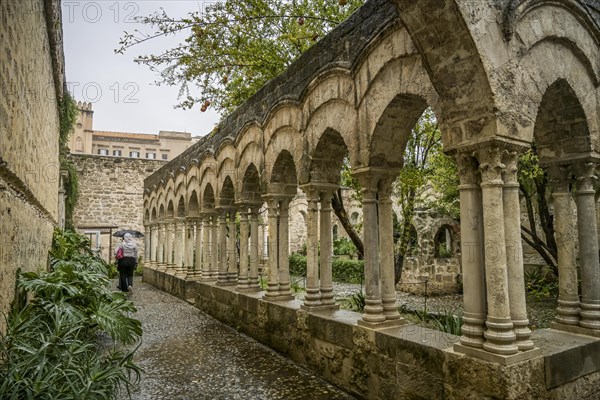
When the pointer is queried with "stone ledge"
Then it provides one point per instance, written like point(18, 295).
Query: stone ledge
point(567, 356)
point(575, 329)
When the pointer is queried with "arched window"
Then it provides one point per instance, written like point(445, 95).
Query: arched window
point(78, 144)
point(443, 242)
point(335, 232)
point(354, 218)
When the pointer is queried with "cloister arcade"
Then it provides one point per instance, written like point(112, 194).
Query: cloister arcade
point(497, 82)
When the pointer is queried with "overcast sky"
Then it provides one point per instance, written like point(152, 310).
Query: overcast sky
point(124, 95)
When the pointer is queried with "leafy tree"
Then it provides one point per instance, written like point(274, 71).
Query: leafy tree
point(234, 47)
point(426, 170)
point(533, 184)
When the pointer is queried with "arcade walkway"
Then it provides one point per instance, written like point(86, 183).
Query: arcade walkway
point(188, 355)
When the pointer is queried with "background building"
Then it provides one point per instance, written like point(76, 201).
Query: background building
point(164, 146)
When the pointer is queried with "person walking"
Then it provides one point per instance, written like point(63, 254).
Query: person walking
point(127, 263)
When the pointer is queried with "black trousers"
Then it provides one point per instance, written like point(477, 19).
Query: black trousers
point(126, 266)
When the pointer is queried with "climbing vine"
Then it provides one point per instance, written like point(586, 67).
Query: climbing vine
point(67, 117)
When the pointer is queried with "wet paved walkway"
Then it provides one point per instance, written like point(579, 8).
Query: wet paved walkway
point(187, 354)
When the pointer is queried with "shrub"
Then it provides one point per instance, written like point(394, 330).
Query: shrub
point(297, 265)
point(348, 271)
point(540, 285)
point(51, 348)
point(344, 246)
point(356, 302)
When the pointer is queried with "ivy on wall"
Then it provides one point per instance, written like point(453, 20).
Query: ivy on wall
point(67, 116)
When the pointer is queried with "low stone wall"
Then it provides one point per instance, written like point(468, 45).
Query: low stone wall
point(407, 362)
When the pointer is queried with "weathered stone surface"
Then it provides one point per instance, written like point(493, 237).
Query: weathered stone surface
point(31, 84)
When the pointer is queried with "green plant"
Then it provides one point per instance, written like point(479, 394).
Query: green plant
point(348, 271)
point(343, 246)
point(50, 349)
point(297, 264)
point(356, 302)
point(540, 285)
point(448, 322)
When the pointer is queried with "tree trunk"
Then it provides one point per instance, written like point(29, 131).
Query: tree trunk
point(340, 212)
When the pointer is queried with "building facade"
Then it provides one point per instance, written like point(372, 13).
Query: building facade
point(164, 146)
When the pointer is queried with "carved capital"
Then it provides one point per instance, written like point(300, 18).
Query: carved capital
point(560, 177)
point(585, 175)
point(467, 168)
point(491, 166)
point(510, 159)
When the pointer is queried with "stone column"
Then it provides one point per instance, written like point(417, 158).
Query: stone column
point(206, 247)
point(386, 252)
point(244, 230)
point(189, 248)
point(232, 269)
point(160, 247)
point(222, 243)
point(374, 307)
point(153, 246)
point(214, 247)
point(564, 229)
point(313, 292)
point(199, 245)
point(272, 273)
point(588, 246)
point(179, 246)
point(514, 252)
point(147, 245)
point(284, 248)
point(326, 249)
point(471, 239)
point(254, 259)
point(500, 338)
point(169, 247)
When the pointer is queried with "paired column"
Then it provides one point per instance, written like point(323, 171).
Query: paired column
point(232, 271)
point(273, 260)
point(326, 249)
point(153, 245)
point(214, 247)
point(198, 249)
point(374, 305)
point(588, 246)
point(386, 252)
point(284, 249)
point(567, 311)
point(222, 247)
point(254, 260)
point(147, 245)
point(170, 228)
point(161, 247)
point(313, 292)
point(514, 252)
point(500, 337)
point(243, 278)
point(471, 238)
point(188, 260)
point(179, 246)
point(205, 260)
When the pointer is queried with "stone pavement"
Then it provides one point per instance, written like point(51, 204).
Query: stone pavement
point(187, 354)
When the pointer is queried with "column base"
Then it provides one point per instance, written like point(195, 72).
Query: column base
point(322, 307)
point(580, 330)
point(497, 358)
point(391, 323)
point(278, 297)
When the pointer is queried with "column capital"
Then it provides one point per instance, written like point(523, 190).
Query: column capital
point(468, 168)
point(374, 178)
point(491, 166)
point(585, 175)
point(560, 176)
point(510, 159)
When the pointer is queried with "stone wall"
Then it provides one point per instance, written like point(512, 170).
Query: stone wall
point(31, 82)
point(111, 193)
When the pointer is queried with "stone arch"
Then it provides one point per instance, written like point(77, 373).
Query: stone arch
point(284, 141)
point(327, 158)
point(251, 189)
point(393, 131)
point(208, 198)
point(193, 204)
point(170, 213)
point(561, 128)
point(467, 99)
point(250, 155)
point(146, 215)
point(283, 116)
point(324, 121)
point(227, 193)
point(283, 176)
point(226, 174)
point(161, 212)
point(180, 210)
point(153, 215)
point(444, 240)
